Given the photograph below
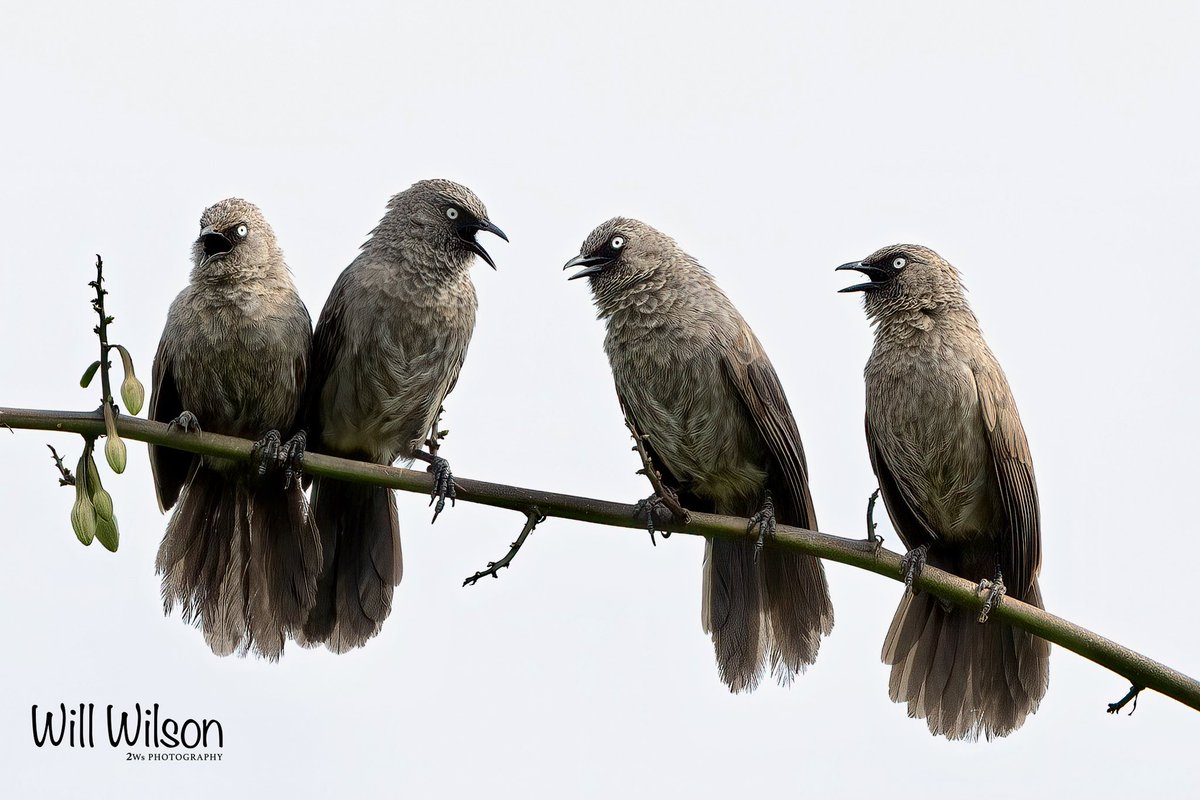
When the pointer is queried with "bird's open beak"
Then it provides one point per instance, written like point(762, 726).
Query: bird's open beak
point(214, 242)
point(467, 232)
point(592, 265)
point(879, 277)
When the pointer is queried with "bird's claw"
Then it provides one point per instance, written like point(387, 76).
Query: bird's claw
point(996, 592)
point(443, 486)
point(765, 522)
point(911, 565)
point(266, 454)
point(657, 514)
point(186, 422)
point(291, 457)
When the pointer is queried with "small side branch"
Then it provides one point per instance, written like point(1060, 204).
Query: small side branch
point(65, 476)
point(533, 518)
point(1132, 694)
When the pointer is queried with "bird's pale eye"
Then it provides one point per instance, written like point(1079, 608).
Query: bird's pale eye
point(617, 242)
point(242, 230)
point(899, 263)
point(452, 212)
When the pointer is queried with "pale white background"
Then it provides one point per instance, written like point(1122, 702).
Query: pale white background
point(1048, 150)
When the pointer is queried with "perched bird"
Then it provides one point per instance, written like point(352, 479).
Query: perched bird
point(240, 555)
point(695, 383)
point(956, 475)
point(387, 350)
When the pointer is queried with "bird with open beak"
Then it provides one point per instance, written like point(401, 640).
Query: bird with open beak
point(240, 555)
point(694, 380)
point(387, 351)
point(955, 472)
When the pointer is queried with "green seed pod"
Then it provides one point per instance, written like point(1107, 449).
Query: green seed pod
point(83, 513)
point(114, 448)
point(107, 533)
point(133, 394)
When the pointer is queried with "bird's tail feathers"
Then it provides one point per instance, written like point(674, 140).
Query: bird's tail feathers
point(773, 610)
point(360, 537)
point(965, 679)
point(241, 562)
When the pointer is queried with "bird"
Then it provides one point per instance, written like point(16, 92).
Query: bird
point(240, 554)
point(696, 384)
point(954, 468)
point(387, 350)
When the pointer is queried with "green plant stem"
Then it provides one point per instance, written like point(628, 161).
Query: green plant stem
point(1136, 668)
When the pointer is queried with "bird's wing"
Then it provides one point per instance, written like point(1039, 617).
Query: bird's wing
point(912, 526)
point(749, 370)
point(1021, 549)
point(170, 467)
point(327, 342)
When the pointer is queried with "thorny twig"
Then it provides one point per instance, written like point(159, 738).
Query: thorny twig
point(533, 518)
point(66, 479)
point(873, 539)
point(101, 330)
point(434, 442)
point(1132, 694)
point(665, 493)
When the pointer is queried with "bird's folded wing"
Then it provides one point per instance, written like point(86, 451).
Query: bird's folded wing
point(1021, 549)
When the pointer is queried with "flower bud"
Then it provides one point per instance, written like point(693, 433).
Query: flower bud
point(107, 533)
point(83, 513)
point(133, 394)
point(114, 448)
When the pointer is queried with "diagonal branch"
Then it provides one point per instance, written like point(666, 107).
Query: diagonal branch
point(1136, 668)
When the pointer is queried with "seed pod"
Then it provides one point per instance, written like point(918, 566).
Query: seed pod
point(83, 513)
point(114, 448)
point(107, 533)
point(133, 394)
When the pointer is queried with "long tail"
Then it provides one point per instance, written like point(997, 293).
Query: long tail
point(963, 678)
point(241, 562)
point(774, 610)
point(360, 538)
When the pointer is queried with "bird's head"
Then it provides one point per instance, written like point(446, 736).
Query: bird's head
point(444, 215)
point(234, 237)
point(623, 255)
point(905, 278)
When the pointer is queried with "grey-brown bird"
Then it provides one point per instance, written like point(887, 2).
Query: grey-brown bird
point(694, 380)
point(956, 475)
point(387, 351)
point(240, 555)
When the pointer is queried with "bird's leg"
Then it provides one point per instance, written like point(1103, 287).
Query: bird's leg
point(186, 421)
point(443, 482)
point(658, 515)
point(292, 458)
point(911, 565)
point(266, 453)
point(996, 591)
point(764, 520)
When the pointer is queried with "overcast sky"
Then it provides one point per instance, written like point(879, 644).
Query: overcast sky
point(1048, 152)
